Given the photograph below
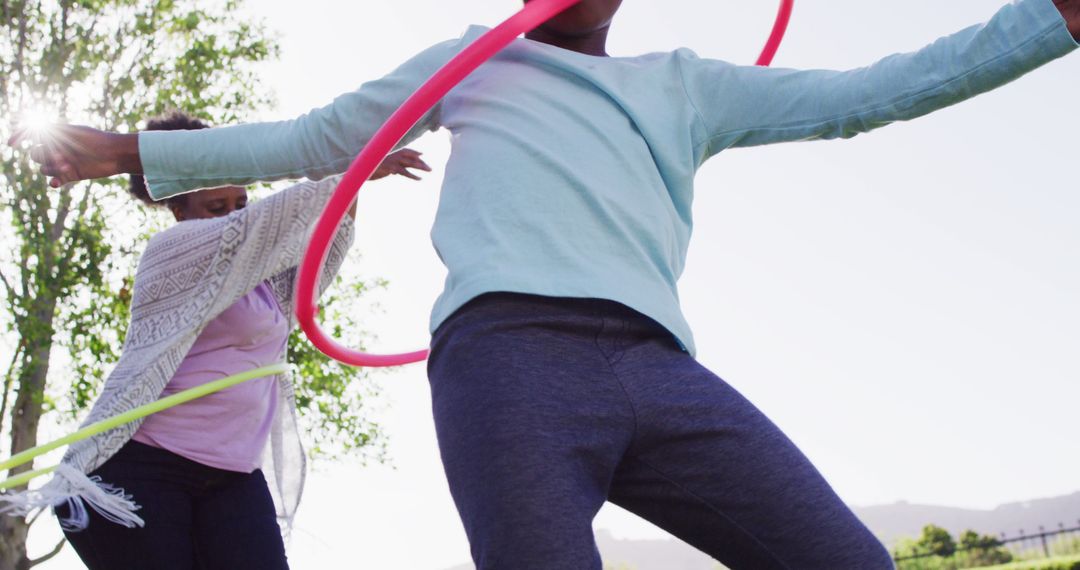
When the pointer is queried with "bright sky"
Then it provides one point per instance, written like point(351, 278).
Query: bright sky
point(903, 304)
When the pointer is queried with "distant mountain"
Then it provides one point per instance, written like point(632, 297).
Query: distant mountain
point(663, 554)
point(891, 522)
point(888, 522)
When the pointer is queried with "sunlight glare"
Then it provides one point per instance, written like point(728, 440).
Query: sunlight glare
point(37, 120)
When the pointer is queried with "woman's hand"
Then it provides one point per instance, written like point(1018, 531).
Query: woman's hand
point(69, 153)
point(399, 163)
point(1070, 10)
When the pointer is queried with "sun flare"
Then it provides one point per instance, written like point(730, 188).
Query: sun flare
point(37, 120)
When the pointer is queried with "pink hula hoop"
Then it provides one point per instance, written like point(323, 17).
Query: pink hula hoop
point(532, 15)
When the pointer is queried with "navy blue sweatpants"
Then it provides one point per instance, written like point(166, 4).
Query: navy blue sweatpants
point(547, 407)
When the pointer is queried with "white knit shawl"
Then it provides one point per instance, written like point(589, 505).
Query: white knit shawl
point(187, 276)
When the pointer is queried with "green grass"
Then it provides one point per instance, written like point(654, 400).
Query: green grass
point(1057, 563)
point(1067, 546)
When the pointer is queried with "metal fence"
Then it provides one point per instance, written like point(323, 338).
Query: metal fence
point(990, 551)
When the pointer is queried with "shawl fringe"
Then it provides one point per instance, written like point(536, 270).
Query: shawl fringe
point(74, 488)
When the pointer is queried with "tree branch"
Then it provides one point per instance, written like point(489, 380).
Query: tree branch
point(84, 205)
point(9, 377)
point(107, 108)
point(56, 550)
point(20, 49)
point(11, 293)
point(46, 250)
point(22, 220)
point(66, 48)
point(24, 271)
point(62, 211)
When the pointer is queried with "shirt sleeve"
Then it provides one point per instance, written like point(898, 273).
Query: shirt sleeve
point(218, 260)
point(747, 106)
point(284, 284)
point(320, 143)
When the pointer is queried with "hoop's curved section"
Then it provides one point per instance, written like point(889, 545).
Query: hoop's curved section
point(532, 15)
point(777, 35)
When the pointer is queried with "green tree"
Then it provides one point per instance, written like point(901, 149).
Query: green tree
point(333, 398)
point(65, 270)
point(937, 541)
point(983, 550)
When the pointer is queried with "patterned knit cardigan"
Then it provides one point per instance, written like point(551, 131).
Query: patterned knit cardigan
point(187, 276)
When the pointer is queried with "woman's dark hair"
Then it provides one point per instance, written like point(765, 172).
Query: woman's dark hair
point(171, 121)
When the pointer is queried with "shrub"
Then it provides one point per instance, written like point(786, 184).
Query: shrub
point(1060, 563)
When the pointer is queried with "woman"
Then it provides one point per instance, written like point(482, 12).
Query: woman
point(212, 297)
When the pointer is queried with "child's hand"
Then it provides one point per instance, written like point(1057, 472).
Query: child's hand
point(1070, 10)
point(69, 153)
point(399, 163)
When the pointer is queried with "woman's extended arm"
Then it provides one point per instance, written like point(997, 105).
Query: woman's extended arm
point(227, 257)
point(320, 143)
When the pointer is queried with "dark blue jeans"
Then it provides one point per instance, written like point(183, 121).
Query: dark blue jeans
point(547, 407)
point(197, 517)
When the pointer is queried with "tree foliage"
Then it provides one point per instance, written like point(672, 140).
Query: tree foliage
point(984, 550)
point(936, 549)
point(332, 398)
point(937, 541)
point(69, 255)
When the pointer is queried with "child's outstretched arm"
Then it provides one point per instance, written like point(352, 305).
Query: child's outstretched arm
point(318, 144)
point(746, 106)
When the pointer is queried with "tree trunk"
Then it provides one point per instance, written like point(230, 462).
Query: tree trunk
point(26, 413)
point(25, 416)
point(13, 544)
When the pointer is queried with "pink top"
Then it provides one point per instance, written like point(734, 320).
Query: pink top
point(227, 430)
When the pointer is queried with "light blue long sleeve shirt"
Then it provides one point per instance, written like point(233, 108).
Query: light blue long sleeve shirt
point(572, 175)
